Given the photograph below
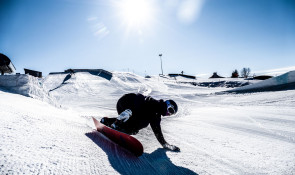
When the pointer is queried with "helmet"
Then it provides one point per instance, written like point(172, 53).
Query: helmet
point(171, 107)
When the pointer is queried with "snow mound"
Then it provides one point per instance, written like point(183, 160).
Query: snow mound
point(217, 134)
point(72, 90)
point(88, 94)
point(211, 82)
point(26, 85)
point(282, 82)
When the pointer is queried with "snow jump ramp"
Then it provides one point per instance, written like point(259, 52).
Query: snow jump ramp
point(282, 82)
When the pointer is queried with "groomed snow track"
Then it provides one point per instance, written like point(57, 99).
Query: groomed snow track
point(217, 134)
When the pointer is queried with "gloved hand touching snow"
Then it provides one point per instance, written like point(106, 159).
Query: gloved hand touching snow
point(171, 147)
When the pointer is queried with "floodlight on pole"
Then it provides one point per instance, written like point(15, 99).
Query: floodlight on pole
point(160, 55)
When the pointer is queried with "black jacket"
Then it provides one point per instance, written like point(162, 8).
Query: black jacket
point(145, 110)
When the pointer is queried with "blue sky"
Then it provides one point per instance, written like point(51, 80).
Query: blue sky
point(195, 36)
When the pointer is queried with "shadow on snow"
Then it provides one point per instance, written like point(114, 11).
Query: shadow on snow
point(125, 163)
point(69, 76)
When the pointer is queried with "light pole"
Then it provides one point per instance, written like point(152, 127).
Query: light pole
point(160, 55)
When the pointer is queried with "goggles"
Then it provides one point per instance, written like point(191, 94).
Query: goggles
point(170, 108)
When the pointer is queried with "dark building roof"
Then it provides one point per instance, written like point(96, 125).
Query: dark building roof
point(6, 65)
point(99, 72)
point(262, 77)
point(183, 75)
point(33, 73)
point(215, 75)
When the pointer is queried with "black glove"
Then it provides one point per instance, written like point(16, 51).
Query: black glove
point(171, 147)
point(133, 133)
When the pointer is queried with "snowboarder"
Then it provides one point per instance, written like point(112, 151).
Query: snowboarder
point(137, 111)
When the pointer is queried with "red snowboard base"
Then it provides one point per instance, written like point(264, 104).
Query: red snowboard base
point(126, 141)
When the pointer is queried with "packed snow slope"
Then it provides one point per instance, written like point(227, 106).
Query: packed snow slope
point(25, 85)
point(285, 81)
point(252, 133)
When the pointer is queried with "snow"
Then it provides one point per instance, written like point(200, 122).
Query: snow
point(48, 129)
point(285, 79)
point(25, 85)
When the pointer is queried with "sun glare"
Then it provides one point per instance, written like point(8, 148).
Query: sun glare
point(136, 14)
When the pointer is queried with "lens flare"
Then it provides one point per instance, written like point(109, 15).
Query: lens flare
point(136, 14)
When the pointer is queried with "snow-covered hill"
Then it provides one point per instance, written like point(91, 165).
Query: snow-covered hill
point(282, 82)
point(217, 133)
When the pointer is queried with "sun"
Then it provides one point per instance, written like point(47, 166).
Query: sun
point(136, 14)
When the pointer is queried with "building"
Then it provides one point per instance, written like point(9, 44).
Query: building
point(99, 72)
point(262, 77)
point(182, 75)
point(215, 75)
point(33, 73)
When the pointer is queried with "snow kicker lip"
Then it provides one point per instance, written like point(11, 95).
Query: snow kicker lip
point(279, 83)
point(283, 87)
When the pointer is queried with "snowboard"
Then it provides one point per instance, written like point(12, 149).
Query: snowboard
point(124, 140)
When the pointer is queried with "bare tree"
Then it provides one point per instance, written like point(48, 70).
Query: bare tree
point(245, 72)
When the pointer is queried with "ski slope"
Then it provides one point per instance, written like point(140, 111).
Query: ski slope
point(226, 133)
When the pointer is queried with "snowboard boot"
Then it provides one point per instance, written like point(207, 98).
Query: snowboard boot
point(121, 119)
point(132, 132)
point(107, 121)
point(117, 125)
